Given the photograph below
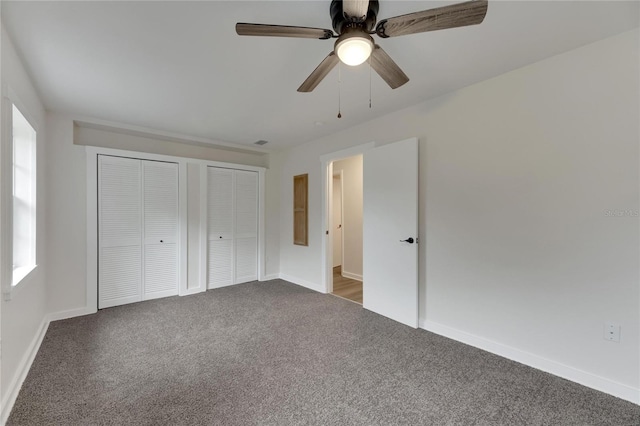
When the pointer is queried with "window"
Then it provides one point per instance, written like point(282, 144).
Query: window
point(24, 196)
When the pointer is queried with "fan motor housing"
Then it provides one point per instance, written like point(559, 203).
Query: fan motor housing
point(340, 21)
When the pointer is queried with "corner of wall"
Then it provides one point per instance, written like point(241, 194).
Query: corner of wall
point(24, 317)
point(22, 369)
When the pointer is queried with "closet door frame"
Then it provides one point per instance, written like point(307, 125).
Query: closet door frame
point(235, 237)
point(92, 154)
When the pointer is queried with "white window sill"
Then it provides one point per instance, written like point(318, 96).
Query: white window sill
point(21, 273)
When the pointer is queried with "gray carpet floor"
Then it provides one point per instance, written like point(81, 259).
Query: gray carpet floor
point(278, 354)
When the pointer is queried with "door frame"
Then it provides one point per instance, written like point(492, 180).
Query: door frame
point(340, 175)
point(91, 303)
point(326, 220)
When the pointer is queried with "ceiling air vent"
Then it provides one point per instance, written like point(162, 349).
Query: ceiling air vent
point(261, 142)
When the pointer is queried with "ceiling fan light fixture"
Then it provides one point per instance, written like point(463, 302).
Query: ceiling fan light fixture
point(354, 48)
point(354, 21)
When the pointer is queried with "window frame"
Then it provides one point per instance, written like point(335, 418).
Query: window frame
point(19, 273)
point(11, 280)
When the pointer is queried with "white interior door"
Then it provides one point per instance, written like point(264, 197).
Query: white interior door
point(390, 216)
point(220, 226)
point(120, 231)
point(160, 193)
point(246, 226)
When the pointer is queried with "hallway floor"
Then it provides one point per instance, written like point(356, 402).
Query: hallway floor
point(346, 287)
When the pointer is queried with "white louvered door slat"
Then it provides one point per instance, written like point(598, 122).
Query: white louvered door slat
point(246, 226)
point(160, 195)
point(120, 231)
point(246, 191)
point(220, 263)
point(120, 275)
point(160, 271)
point(220, 219)
point(246, 260)
point(160, 201)
point(220, 203)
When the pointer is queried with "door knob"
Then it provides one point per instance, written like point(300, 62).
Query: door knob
point(408, 240)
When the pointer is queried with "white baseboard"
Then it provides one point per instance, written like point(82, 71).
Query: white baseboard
point(21, 372)
point(303, 283)
point(352, 276)
point(590, 380)
point(71, 313)
point(270, 277)
point(190, 291)
point(25, 364)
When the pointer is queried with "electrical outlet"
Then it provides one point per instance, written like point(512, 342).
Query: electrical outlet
point(612, 332)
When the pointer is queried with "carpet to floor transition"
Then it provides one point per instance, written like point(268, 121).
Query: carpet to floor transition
point(277, 354)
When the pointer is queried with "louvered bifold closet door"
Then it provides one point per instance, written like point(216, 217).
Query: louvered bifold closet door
point(246, 226)
point(220, 219)
point(119, 231)
point(160, 195)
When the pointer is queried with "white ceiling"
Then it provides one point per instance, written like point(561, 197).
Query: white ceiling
point(179, 67)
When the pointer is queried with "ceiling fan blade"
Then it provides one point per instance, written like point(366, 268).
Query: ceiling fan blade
point(387, 68)
point(319, 73)
point(455, 15)
point(355, 8)
point(281, 31)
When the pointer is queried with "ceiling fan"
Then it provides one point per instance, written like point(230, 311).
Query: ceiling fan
point(354, 21)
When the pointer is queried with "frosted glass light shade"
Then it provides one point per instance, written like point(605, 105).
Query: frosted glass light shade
point(354, 50)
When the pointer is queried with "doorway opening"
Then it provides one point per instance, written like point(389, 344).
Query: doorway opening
point(389, 227)
point(345, 195)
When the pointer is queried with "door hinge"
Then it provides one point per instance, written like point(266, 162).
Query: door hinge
point(327, 232)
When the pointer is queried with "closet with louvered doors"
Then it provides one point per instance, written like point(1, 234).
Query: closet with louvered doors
point(232, 215)
point(137, 230)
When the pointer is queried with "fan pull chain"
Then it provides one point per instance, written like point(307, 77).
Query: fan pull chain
point(369, 82)
point(339, 86)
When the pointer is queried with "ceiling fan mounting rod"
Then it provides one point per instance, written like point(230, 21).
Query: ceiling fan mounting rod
point(352, 28)
point(340, 19)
